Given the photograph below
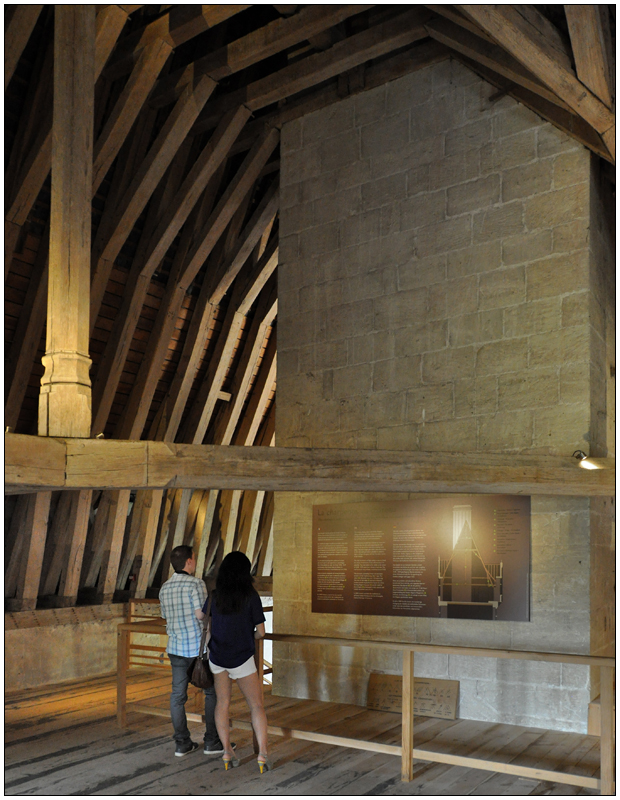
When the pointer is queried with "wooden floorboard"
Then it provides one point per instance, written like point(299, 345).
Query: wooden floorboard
point(63, 740)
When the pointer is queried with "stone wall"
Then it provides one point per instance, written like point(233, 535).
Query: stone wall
point(436, 293)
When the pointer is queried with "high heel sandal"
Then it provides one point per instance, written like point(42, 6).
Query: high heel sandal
point(230, 761)
point(264, 764)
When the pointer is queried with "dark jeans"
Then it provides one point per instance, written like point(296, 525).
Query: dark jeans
point(178, 698)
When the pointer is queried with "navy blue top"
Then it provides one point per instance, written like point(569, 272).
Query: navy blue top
point(232, 635)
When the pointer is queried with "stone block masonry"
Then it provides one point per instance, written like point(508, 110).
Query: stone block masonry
point(441, 288)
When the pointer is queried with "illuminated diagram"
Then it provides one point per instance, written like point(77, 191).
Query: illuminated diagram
point(468, 588)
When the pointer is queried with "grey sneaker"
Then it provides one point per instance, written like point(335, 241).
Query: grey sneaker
point(217, 748)
point(186, 749)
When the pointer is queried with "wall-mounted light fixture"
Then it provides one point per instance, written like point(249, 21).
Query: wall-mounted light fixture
point(585, 462)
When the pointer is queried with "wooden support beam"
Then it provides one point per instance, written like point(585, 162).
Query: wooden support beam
point(259, 399)
point(607, 730)
point(136, 411)
point(265, 560)
point(78, 529)
point(48, 463)
point(590, 36)
point(14, 545)
point(491, 55)
point(145, 180)
point(35, 166)
point(566, 121)
point(127, 108)
point(179, 25)
point(27, 337)
point(256, 46)
point(403, 30)
point(16, 35)
point(537, 52)
point(112, 362)
point(65, 399)
point(58, 543)
point(406, 772)
point(93, 559)
point(210, 391)
point(115, 533)
point(33, 548)
point(263, 319)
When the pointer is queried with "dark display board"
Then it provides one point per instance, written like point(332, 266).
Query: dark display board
point(456, 558)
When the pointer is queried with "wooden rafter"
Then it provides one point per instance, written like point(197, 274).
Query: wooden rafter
point(539, 53)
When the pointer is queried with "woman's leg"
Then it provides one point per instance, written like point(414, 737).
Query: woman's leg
point(250, 686)
point(222, 721)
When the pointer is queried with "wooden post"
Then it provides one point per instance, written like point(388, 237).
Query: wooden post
point(122, 655)
point(65, 399)
point(407, 734)
point(607, 734)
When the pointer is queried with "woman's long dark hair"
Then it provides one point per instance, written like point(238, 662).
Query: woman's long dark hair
point(233, 585)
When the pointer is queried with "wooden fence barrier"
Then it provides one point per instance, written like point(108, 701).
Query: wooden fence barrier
point(406, 751)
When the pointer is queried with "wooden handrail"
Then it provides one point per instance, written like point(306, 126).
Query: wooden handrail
point(446, 649)
point(407, 751)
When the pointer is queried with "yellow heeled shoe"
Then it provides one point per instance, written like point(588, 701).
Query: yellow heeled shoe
point(230, 761)
point(264, 764)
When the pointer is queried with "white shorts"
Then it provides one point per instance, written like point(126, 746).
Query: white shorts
point(242, 671)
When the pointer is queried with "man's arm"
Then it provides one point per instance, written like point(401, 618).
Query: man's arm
point(199, 613)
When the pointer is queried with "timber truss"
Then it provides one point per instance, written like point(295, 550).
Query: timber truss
point(188, 103)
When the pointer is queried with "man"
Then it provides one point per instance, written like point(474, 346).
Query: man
point(181, 599)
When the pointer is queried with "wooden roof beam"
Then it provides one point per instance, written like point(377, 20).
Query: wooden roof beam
point(566, 121)
point(256, 46)
point(127, 108)
point(263, 319)
point(39, 463)
point(174, 216)
point(490, 55)
point(177, 26)
point(590, 37)
point(21, 24)
point(204, 404)
point(145, 180)
point(136, 410)
point(37, 162)
point(538, 53)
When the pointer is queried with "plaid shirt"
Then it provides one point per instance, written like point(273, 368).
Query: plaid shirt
point(179, 597)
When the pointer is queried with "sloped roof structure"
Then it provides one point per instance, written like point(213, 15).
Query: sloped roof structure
point(189, 103)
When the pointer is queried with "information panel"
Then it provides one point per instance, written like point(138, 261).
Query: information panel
point(463, 558)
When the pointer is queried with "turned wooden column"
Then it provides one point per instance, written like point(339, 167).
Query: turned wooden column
point(65, 399)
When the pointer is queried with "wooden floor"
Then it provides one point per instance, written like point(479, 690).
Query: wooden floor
point(63, 740)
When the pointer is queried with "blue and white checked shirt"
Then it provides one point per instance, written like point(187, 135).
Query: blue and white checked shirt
point(179, 597)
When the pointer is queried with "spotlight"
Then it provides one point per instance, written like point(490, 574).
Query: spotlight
point(584, 461)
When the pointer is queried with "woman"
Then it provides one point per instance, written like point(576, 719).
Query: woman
point(237, 619)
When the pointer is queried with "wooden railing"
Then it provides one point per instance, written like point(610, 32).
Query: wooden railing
point(406, 751)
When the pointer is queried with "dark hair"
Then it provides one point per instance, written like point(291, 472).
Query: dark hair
point(233, 586)
point(179, 556)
